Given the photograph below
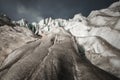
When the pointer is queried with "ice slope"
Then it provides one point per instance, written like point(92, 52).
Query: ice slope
point(99, 34)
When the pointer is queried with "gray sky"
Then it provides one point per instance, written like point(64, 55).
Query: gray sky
point(34, 10)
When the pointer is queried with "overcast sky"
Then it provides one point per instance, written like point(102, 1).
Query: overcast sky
point(34, 10)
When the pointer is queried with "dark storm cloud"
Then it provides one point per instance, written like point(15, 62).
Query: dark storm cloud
point(34, 10)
